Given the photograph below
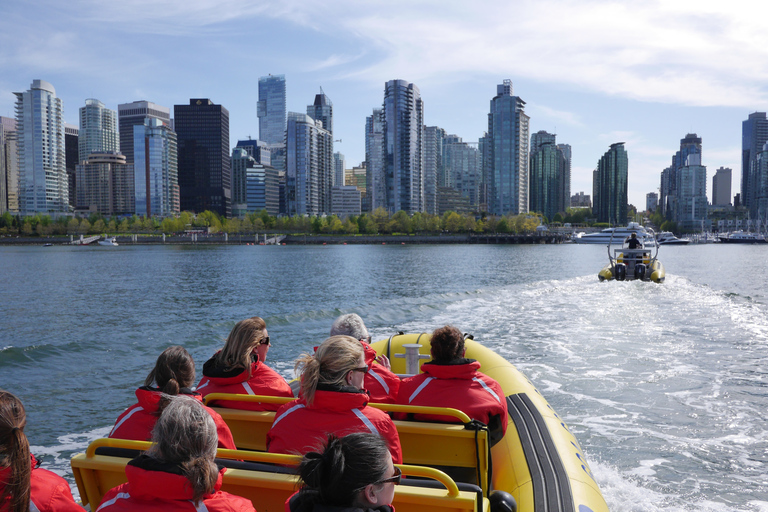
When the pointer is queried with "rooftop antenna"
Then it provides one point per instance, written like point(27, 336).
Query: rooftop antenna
point(321, 90)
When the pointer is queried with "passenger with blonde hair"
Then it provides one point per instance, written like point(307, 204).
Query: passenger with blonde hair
point(173, 374)
point(178, 472)
point(24, 486)
point(451, 380)
point(240, 368)
point(331, 401)
point(351, 473)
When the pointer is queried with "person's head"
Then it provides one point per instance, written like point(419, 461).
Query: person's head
point(185, 434)
point(338, 361)
point(352, 471)
point(247, 337)
point(634, 235)
point(14, 452)
point(350, 324)
point(447, 344)
point(174, 369)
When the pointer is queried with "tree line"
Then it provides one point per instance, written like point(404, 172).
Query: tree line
point(379, 221)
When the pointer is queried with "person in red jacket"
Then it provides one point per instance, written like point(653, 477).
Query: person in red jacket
point(331, 402)
point(23, 485)
point(450, 380)
point(381, 383)
point(173, 374)
point(352, 473)
point(240, 368)
point(178, 473)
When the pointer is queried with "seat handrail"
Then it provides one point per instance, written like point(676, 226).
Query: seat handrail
point(233, 397)
point(420, 409)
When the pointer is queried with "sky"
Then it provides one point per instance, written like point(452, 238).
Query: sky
point(594, 72)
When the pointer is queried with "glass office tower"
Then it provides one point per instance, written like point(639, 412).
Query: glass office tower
point(155, 169)
point(271, 109)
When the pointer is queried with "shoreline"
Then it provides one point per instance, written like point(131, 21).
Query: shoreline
point(258, 239)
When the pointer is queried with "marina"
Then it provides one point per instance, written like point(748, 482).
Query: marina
point(663, 386)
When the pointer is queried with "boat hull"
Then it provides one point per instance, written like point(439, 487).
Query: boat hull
point(539, 461)
point(655, 273)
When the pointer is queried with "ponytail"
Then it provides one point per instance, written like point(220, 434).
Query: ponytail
point(14, 453)
point(334, 358)
point(202, 474)
point(174, 369)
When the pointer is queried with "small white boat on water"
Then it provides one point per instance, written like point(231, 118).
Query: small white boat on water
point(740, 237)
point(615, 236)
point(669, 238)
point(110, 242)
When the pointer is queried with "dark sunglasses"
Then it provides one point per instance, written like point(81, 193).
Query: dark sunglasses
point(362, 369)
point(395, 479)
point(264, 341)
point(367, 339)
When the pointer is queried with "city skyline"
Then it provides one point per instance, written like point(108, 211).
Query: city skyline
point(661, 71)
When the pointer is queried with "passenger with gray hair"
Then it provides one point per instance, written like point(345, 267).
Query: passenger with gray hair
point(382, 385)
point(178, 472)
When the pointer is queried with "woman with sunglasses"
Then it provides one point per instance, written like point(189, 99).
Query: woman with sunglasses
point(352, 473)
point(23, 485)
point(240, 368)
point(173, 374)
point(332, 400)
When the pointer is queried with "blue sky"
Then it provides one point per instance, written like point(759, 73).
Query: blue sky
point(595, 72)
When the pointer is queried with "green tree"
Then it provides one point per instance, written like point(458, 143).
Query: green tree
point(453, 222)
point(502, 226)
point(401, 222)
point(350, 227)
point(380, 216)
point(99, 226)
point(85, 226)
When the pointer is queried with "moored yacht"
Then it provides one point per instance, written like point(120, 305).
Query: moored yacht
point(615, 236)
point(669, 238)
point(740, 237)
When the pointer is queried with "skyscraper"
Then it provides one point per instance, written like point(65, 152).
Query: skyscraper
point(754, 133)
point(462, 169)
point(565, 178)
point(309, 166)
point(721, 187)
point(43, 184)
point(550, 174)
point(72, 158)
point(156, 169)
point(507, 140)
point(202, 130)
point(404, 147)
point(9, 170)
point(610, 186)
point(322, 110)
point(271, 109)
point(98, 130)
point(339, 166)
point(105, 183)
point(434, 171)
point(375, 180)
point(691, 193)
point(131, 114)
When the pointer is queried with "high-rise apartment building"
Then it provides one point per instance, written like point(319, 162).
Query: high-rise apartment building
point(651, 202)
point(98, 130)
point(610, 186)
point(550, 174)
point(241, 162)
point(339, 166)
point(202, 130)
point(754, 134)
point(322, 110)
point(131, 114)
point(43, 184)
point(72, 159)
point(375, 183)
point(721, 187)
point(271, 109)
point(758, 208)
point(404, 147)
point(309, 166)
point(691, 193)
point(507, 166)
point(156, 169)
point(105, 184)
point(434, 171)
point(461, 164)
point(258, 149)
point(9, 170)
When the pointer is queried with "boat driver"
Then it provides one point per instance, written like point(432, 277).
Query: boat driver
point(633, 242)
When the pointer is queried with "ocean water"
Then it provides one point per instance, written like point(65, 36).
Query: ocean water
point(665, 386)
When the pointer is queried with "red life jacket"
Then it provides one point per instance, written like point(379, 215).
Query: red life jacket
point(382, 385)
point(263, 381)
point(459, 386)
point(137, 421)
point(48, 491)
point(300, 428)
point(152, 487)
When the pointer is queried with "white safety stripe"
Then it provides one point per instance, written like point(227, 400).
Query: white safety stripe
point(420, 388)
point(485, 386)
point(120, 496)
point(201, 507)
point(379, 379)
point(117, 426)
point(365, 420)
point(201, 387)
point(286, 413)
point(248, 389)
point(32, 506)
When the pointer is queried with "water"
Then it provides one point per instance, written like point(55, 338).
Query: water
point(665, 386)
